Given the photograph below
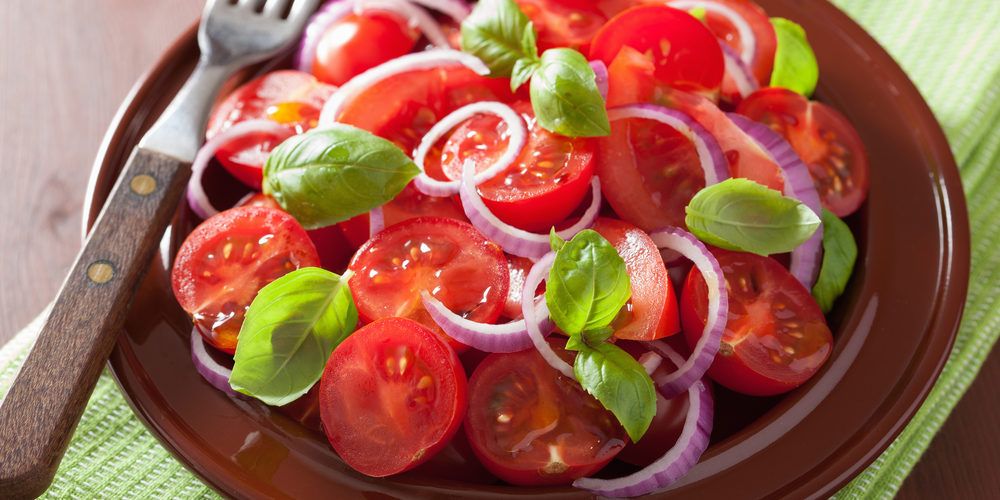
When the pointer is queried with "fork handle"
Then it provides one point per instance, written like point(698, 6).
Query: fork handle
point(43, 406)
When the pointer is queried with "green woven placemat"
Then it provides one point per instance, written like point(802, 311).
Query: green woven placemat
point(947, 48)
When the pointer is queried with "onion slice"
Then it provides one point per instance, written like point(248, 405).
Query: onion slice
point(713, 160)
point(518, 138)
point(507, 337)
point(196, 196)
point(458, 10)
point(376, 221)
point(539, 272)
point(601, 77)
point(808, 257)
point(705, 350)
point(743, 29)
point(739, 71)
point(210, 369)
point(416, 61)
point(678, 460)
point(512, 239)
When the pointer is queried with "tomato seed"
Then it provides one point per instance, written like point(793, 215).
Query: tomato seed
point(425, 382)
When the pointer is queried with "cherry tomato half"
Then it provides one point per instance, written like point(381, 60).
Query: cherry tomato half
point(757, 52)
point(519, 267)
point(530, 425)
point(408, 204)
point(564, 23)
point(291, 98)
point(776, 337)
point(449, 259)
point(358, 42)
point(227, 259)
point(392, 395)
point(824, 139)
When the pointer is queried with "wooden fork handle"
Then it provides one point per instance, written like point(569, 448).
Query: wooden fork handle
point(41, 410)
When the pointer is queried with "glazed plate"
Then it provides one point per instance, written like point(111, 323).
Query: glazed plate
point(894, 327)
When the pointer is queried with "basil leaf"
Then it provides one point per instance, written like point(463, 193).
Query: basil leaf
point(523, 69)
point(326, 176)
point(795, 66)
point(555, 241)
point(290, 330)
point(699, 13)
point(588, 338)
point(620, 383)
point(500, 34)
point(565, 97)
point(588, 284)
point(840, 252)
point(739, 214)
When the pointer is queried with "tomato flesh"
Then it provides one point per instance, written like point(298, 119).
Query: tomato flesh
point(564, 23)
point(409, 204)
point(824, 139)
point(776, 337)
point(518, 267)
point(334, 250)
point(392, 395)
point(227, 259)
point(358, 42)
point(530, 425)
point(761, 60)
point(449, 259)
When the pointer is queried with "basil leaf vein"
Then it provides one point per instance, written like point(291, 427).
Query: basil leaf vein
point(620, 383)
point(565, 97)
point(840, 252)
point(500, 34)
point(588, 284)
point(795, 66)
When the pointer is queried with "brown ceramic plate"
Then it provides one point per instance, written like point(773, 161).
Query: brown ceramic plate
point(893, 328)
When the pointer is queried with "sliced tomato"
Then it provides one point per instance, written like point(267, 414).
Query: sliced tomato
point(358, 42)
point(757, 51)
point(824, 139)
point(518, 267)
point(564, 23)
point(545, 184)
point(291, 98)
point(651, 313)
point(684, 52)
point(776, 337)
point(530, 425)
point(334, 250)
point(409, 204)
point(227, 259)
point(392, 395)
point(668, 423)
point(449, 259)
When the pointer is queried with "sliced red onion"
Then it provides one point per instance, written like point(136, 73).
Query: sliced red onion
point(507, 337)
point(329, 13)
point(539, 272)
point(416, 17)
point(210, 369)
point(808, 257)
point(196, 196)
point(650, 361)
point(601, 77)
point(458, 10)
point(743, 29)
point(376, 221)
point(713, 160)
point(739, 71)
point(416, 61)
point(705, 350)
point(514, 240)
point(518, 137)
point(678, 460)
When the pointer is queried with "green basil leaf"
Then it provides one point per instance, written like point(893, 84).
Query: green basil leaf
point(588, 284)
point(523, 69)
point(739, 214)
point(500, 34)
point(555, 241)
point(565, 97)
point(620, 383)
point(795, 66)
point(699, 13)
point(326, 176)
point(840, 252)
point(290, 330)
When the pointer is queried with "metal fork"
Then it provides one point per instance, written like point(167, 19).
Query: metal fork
point(42, 407)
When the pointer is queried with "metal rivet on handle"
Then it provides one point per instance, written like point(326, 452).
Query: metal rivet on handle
point(100, 272)
point(143, 184)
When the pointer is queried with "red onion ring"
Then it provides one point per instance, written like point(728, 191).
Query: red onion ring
point(514, 240)
point(678, 460)
point(215, 374)
point(705, 350)
point(428, 59)
point(196, 196)
point(601, 77)
point(376, 221)
point(329, 13)
point(518, 138)
point(808, 257)
point(539, 272)
point(747, 39)
point(650, 361)
point(738, 71)
point(713, 160)
point(458, 10)
point(507, 337)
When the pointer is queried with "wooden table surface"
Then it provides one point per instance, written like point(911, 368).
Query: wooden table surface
point(66, 65)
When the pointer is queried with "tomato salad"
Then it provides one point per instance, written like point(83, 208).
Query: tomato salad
point(536, 231)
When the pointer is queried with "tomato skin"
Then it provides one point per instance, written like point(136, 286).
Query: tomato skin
point(824, 139)
point(409, 204)
point(776, 337)
point(564, 23)
point(760, 24)
point(358, 42)
point(391, 397)
point(216, 291)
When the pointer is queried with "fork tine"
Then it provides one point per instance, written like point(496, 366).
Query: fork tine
point(254, 5)
point(276, 8)
point(302, 9)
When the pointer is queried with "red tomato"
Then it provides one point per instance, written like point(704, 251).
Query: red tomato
point(227, 259)
point(824, 139)
point(448, 258)
point(333, 248)
point(291, 98)
point(564, 23)
point(403, 108)
point(391, 397)
point(530, 425)
point(409, 204)
point(544, 185)
point(685, 53)
point(761, 53)
point(358, 42)
point(651, 313)
point(518, 268)
point(776, 337)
